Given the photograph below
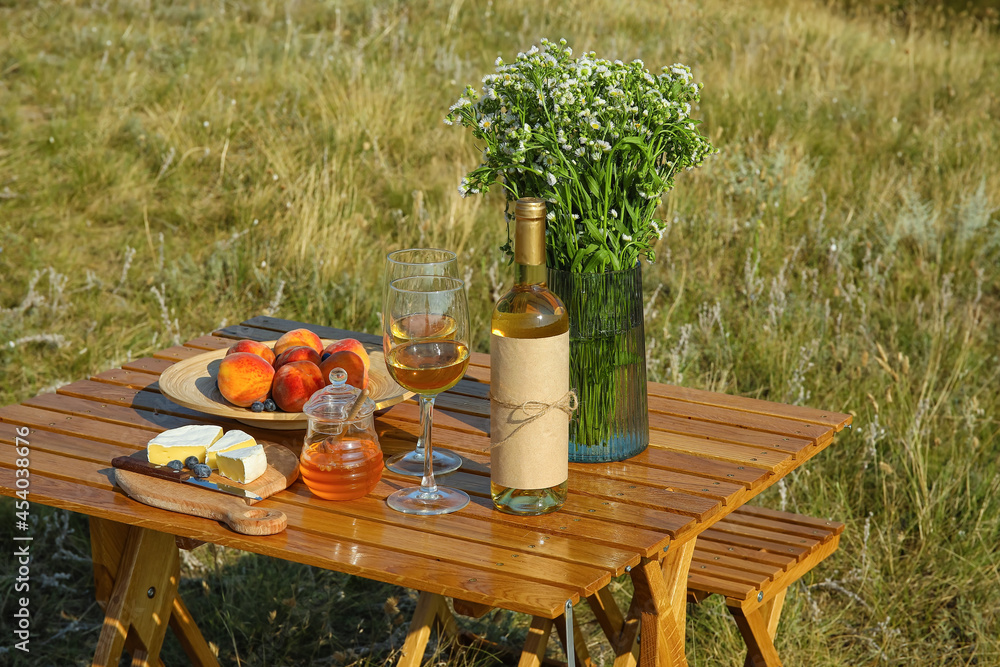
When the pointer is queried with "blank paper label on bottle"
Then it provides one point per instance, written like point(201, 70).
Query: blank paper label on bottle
point(529, 442)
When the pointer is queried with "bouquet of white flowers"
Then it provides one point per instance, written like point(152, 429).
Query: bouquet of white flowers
point(600, 141)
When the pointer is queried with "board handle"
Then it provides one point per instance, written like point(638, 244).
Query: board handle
point(132, 465)
point(251, 520)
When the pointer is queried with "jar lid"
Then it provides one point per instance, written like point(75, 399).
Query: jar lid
point(334, 402)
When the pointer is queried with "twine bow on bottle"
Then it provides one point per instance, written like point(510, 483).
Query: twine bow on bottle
point(535, 410)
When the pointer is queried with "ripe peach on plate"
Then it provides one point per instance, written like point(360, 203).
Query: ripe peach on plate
point(350, 344)
point(298, 337)
point(294, 383)
point(352, 362)
point(244, 378)
point(297, 353)
point(253, 347)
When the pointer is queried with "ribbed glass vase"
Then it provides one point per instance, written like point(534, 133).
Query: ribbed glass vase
point(607, 360)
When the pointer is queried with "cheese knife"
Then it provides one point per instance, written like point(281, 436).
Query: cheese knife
point(163, 472)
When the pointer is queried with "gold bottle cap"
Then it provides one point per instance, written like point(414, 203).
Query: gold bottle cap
point(529, 208)
point(529, 232)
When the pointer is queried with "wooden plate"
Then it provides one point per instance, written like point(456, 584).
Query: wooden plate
point(191, 383)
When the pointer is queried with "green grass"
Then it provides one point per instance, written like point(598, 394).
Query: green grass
point(167, 168)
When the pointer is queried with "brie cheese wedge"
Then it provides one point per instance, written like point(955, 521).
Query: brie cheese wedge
point(180, 443)
point(234, 439)
point(242, 465)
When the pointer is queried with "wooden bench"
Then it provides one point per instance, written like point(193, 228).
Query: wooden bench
point(751, 558)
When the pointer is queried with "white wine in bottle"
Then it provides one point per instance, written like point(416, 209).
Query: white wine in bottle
point(529, 350)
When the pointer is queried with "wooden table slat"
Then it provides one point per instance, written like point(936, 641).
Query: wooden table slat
point(829, 418)
point(788, 517)
point(742, 472)
point(780, 560)
point(733, 589)
point(752, 568)
point(776, 526)
point(140, 398)
point(178, 353)
point(69, 446)
point(746, 541)
point(778, 426)
point(725, 452)
point(477, 523)
point(127, 378)
point(751, 530)
point(209, 342)
point(150, 365)
point(737, 435)
point(716, 570)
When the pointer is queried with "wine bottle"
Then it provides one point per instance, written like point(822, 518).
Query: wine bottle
point(529, 349)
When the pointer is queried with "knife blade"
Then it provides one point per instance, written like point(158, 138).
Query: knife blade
point(163, 472)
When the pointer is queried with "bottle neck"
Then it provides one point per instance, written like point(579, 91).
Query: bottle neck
point(529, 250)
point(529, 274)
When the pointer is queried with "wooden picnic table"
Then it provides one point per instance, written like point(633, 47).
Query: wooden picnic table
point(709, 454)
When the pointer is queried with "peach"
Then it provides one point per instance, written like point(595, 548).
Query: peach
point(297, 353)
point(352, 345)
point(294, 383)
point(244, 378)
point(253, 347)
point(353, 363)
point(298, 337)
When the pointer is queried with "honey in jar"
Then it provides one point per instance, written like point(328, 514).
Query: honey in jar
point(341, 458)
point(341, 469)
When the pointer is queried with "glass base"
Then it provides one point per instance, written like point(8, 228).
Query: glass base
point(412, 463)
point(414, 500)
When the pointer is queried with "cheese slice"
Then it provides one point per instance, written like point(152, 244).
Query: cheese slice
point(231, 440)
point(180, 443)
point(242, 465)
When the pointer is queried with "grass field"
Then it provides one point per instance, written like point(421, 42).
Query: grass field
point(168, 168)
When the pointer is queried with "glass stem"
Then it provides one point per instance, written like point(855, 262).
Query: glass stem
point(427, 483)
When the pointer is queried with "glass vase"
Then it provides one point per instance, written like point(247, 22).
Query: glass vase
point(607, 360)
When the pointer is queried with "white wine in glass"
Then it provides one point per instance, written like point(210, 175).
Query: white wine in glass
point(421, 262)
point(427, 366)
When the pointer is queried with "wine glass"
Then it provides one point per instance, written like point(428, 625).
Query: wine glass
point(421, 262)
point(426, 365)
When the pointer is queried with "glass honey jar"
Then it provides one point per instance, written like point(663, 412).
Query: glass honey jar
point(341, 458)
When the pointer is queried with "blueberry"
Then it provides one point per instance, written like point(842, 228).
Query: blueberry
point(270, 405)
point(257, 406)
point(175, 465)
point(325, 355)
point(190, 462)
point(201, 470)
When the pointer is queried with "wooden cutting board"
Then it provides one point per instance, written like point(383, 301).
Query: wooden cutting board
point(237, 513)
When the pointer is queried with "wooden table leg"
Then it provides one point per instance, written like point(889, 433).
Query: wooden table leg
point(659, 608)
point(623, 635)
point(538, 639)
point(758, 627)
point(190, 637)
point(431, 610)
point(136, 573)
